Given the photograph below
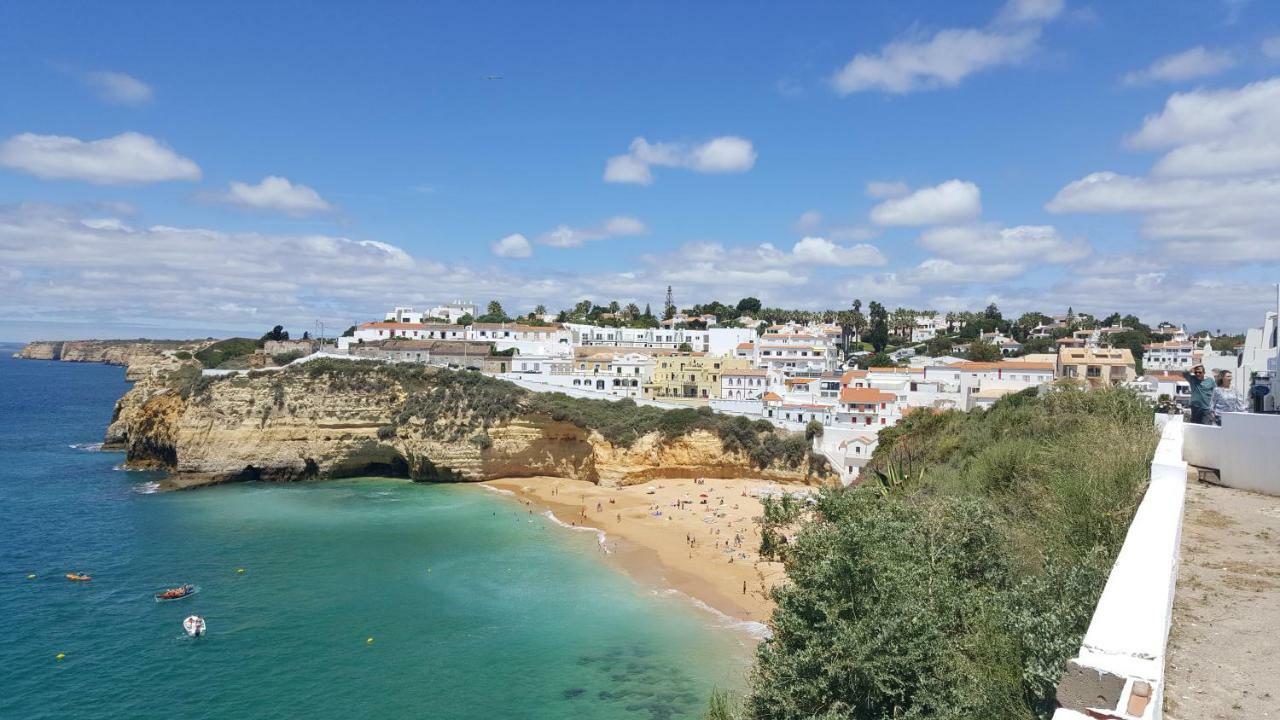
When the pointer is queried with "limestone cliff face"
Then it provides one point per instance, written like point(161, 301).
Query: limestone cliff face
point(293, 426)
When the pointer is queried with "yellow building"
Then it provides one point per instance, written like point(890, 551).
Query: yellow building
point(690, 375)
point(1097, 366)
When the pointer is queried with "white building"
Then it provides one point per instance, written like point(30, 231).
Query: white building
point(749, 384)
point(1170, 355)
point(453, 311)
point(927, 327)
point(525, 339)
point(713, 341)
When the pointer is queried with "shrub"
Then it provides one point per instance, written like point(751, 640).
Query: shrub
point(286, 357)
point(224, 350)
point(959, 588)
point(182, 355)
point(386, 432)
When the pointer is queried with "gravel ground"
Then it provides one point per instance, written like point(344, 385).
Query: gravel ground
point(1224, 648)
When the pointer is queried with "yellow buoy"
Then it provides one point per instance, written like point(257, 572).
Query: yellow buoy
point(59, 656)
point(368, 641)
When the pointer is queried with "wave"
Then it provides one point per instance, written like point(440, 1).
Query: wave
point(147, 488)
point(757, 630)
point(601, 535)
point(500, 491)
point(87, 447)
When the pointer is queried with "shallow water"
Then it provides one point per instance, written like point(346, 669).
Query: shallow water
point(477, 609)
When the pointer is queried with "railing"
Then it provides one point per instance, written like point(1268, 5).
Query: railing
point(1119, 671)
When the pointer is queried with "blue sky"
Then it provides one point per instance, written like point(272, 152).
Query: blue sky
point(919, 153)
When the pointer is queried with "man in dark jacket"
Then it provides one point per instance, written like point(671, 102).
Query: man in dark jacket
point(1201, 395)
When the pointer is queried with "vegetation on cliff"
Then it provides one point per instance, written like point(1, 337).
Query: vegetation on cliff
point(956, 581)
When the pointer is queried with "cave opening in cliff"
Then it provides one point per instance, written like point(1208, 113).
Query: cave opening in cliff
point(375, 461)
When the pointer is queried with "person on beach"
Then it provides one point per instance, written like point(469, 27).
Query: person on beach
point(1225, 399)
point(1201, 395)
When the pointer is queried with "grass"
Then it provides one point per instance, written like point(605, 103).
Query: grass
point(225, 350)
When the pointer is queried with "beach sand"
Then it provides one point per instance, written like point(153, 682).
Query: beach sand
point(656, 548)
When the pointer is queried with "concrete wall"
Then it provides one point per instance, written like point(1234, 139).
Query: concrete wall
point(1119, 671)
point(1242, 451)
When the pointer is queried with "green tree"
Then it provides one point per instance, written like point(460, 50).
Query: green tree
point(859, 321)
point(466, 320)
point(878, 334)
point(937, 345)
point(685, 347)
point(276, 333)
point(669, 307)
point(540, 309)
point(992, 313)
point(494, 309)
point(982, 351)
point(749, 305)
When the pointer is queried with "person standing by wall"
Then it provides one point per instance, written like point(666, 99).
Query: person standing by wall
point(1225, 399)
point(1201, 395)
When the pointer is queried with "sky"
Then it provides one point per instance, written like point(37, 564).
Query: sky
point(175, 170)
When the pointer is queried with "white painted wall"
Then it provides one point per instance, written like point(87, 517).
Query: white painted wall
point(1242, 450)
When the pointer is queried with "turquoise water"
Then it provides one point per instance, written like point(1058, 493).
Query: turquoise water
point(477, 609)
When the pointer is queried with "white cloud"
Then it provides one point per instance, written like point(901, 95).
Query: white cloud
point(1271, 47)
point(809, 221)
point(1029, 11)
point(512, 246)
point(953, 201)
point(118, 88)
point(276, 194)
point(821, 251)
point(943, 60)
point(721, 155)
point(882, 287)
point(988, 242)
point(941, 271)
point(885, 189)
point(1214, 220)
point(627, 169)
point(123, 159)
point(1190, 64)
point(1216, 132)
point(1215, 194)
point(565, 236)
point(949, 55)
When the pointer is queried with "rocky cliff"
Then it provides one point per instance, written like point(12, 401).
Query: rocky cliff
point(339, 419)
point(141, 358)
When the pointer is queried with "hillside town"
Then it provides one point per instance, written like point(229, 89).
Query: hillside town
point(842, 377)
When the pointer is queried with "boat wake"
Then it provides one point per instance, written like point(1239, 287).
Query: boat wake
point(601, 535)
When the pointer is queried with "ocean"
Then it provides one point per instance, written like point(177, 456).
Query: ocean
point(365, 598)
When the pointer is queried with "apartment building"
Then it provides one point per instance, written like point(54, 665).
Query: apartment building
point(690, 376)
point(1170, 355)
point(1097, 366)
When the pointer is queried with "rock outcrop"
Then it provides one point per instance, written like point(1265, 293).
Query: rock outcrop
point(141, 358)
point(298, 424)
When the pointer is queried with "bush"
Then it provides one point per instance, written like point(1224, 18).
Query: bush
point(224, 350)
point(386, 432)
point(286, 357)
point(959, 589)
point(182, 355)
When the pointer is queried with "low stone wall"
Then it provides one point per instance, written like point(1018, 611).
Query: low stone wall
point(1119, 671)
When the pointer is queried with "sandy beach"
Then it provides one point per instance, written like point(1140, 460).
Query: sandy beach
point(696, 536)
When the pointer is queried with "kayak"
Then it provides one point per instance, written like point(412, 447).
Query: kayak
point(78, 577)
point(177, 593)
point(194, 626)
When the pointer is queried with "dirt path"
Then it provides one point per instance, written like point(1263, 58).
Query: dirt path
point(1224, 649)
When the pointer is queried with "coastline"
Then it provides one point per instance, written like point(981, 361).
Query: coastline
point(655, 549)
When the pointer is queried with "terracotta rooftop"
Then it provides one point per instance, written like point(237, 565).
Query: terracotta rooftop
point(865, 395)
